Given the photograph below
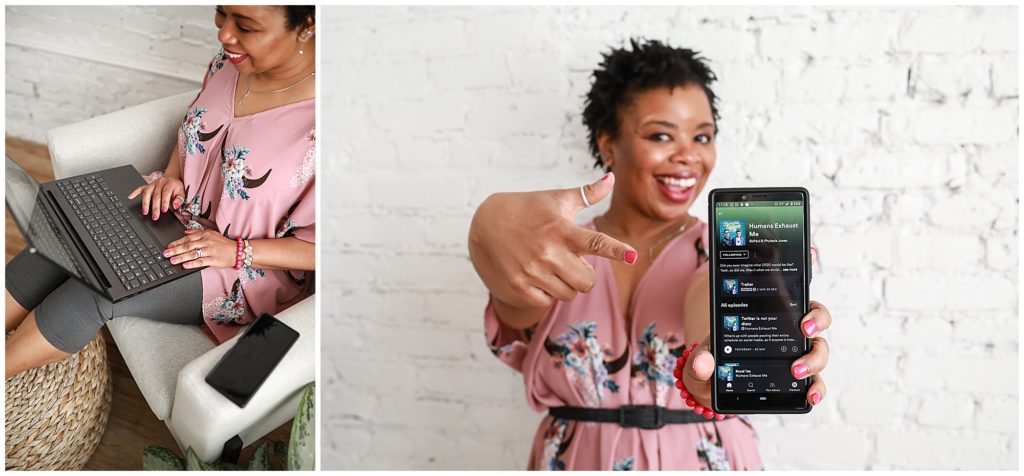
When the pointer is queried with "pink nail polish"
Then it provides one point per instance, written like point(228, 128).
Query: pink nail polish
point(799, 370)
point(810, 327)
point(815, 398)
point(174, 260)
point(609, 174)
point(630, 256)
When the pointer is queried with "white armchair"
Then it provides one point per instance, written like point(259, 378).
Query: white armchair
point(169, 362)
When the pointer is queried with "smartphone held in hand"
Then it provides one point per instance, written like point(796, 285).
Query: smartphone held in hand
point(760, 271)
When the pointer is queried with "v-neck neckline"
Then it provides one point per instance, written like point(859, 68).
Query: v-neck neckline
point(630, 325)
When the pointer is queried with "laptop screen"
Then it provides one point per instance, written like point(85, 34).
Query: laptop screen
point(27, 206)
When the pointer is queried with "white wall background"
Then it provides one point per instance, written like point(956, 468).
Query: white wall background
point(903, 124)
point(65, 64)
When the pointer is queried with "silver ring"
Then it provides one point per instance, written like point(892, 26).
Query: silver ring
point(584, 195)
point(199, 253)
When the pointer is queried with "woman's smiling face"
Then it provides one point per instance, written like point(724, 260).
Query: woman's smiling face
point(257, 38)
point(663, 152)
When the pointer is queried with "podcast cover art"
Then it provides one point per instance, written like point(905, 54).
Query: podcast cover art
point(732, 323)
point(732, 232)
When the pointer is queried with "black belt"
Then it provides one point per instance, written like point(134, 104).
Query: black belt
point(648, 417)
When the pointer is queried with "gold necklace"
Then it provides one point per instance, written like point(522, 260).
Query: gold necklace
point(672, 234)
point(248, 87)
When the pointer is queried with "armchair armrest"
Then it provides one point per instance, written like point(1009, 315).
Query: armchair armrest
point(204, 419)
point(142, 135)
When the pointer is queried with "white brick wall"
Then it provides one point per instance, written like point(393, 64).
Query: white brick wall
point(902, 122)
point(68, 63)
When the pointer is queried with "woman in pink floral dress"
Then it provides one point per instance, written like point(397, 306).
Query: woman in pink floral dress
point(595, 324)
point(244, 166)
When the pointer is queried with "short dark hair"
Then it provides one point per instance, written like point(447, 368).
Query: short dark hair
point(299, 15)
point(649, 64)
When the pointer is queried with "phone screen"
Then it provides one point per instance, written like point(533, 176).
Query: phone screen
point(759, 295)
point(244, 368)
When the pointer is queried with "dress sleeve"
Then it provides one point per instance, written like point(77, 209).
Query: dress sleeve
point(215, 64)
point(507, 344)
point(300, 221)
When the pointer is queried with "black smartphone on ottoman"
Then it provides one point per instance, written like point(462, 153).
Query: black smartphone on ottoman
point(245, 367)
point(760, 271)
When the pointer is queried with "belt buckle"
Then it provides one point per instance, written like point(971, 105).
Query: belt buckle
point(638, 416)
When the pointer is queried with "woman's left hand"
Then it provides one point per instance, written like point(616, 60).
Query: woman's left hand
point(700, 366)
point(217, 250)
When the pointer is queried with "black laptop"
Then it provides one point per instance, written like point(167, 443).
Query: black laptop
point(86, 225)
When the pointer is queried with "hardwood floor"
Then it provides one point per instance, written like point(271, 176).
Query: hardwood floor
point(132, 425)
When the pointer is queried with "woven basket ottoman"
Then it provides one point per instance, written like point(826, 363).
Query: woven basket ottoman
point(56, 414)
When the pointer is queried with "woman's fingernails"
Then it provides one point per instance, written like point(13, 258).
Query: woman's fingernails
point(799, 370)
point(630, 256)
point(609, 174)
point(174, 260)
point(810, 327)
point(167, 253)
point(815, 398)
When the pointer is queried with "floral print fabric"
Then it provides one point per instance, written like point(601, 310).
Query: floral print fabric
point(239, 175)
point(585, 353)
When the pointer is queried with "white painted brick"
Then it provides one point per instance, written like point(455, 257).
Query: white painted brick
point(998, 414)
point(151, 36)
point(399, 190)
point(964, 373)
point(946, 411)
point(941, 251)
point(965, 125)
point(957, 81)
point(1005, 76)
point(934, 291)
point(875, 408)
point(931, 31)
point(1001, 251)
point(832, 448)
point(897, 170)
point(470, 72)
point(844, 249)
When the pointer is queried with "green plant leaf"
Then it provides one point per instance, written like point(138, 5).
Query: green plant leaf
point(281, 450)
point(193, 463)
point(260, 460)
point(301, 446)
point(156, 458)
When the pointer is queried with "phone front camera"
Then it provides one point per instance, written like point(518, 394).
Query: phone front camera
point(744, 197)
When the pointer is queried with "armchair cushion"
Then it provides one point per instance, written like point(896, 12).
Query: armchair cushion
point(142, 135)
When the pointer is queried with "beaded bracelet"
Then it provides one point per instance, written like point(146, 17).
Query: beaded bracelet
point(248, 254)
point(238, 254)
point(685, 394)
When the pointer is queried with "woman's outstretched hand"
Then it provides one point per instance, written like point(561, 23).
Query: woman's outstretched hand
point(699, 368)
point(528, 251)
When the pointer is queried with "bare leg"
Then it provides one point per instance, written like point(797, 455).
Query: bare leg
point(28, 349)
point(13, 313)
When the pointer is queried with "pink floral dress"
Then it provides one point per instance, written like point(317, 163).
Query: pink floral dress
point(581, 354)
point(254, 177)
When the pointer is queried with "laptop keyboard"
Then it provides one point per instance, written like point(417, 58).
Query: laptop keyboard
point(108, 222)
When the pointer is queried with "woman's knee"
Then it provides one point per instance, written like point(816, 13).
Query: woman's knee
point(72, 315)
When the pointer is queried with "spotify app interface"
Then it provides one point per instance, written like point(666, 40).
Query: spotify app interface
point(759, 289)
